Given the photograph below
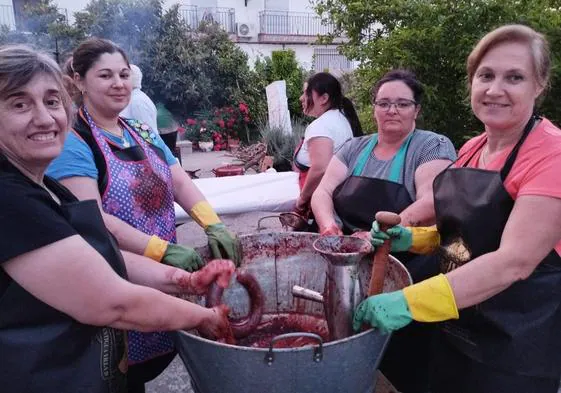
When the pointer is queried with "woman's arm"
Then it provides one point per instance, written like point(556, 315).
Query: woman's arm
point(531, 232)
point(421, 212)
point(70, 276)
point(171, 280)
point(129, 238)
point(322, 199)
point(320, 150)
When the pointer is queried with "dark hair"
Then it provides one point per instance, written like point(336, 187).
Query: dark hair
point(404, 76)
point(325, 83)
point(90, 50)
point(68, 80)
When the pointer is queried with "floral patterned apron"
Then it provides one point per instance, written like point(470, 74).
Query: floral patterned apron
point(141, 194)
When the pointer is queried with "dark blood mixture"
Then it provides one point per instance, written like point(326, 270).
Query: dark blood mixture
point(286, 323)
point(342, 245)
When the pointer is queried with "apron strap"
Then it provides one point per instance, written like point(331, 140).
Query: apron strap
point(514, 153)
point(364, 154)
point(398, 161)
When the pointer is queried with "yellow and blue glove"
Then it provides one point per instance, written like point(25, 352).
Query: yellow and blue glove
point(419, 240)
point(223, 243)
point(430, 300)
point(185, 258)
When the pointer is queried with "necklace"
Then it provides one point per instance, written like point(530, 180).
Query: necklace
point(483, 157)
point(121, 137)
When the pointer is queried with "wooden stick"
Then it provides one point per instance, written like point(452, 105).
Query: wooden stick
point(386, 220)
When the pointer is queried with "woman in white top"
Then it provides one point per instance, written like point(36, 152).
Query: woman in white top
point(336, 122)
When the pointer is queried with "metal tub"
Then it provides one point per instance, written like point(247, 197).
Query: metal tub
point(279, 261)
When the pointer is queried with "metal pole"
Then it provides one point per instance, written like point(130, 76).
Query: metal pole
point(56, 51)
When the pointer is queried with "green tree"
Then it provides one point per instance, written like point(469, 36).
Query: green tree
point(282, 65)
point(433, 39)
point(193, 70)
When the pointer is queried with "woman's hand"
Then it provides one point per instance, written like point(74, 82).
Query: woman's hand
point(223, 243)
point(387, 312)
point(185, 258)
point(401, 237)
point(219, 270)
point(216, 326)
point(331, 230)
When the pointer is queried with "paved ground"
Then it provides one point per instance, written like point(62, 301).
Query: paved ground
point(175, 378)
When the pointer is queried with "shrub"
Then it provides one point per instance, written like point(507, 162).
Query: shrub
point(217, 125)
point(281, 145)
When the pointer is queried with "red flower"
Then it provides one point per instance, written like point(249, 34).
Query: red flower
point(230, 123)
point(191, 122)
point(246, 119)
point(220, 123)
point(243, 107)
point(181, 130)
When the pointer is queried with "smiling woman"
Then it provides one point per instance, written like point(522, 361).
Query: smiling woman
point(35, 117)
point(498, 208)
point(59, 264)
point(127, 168)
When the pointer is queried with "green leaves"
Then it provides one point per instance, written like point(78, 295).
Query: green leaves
point(433, 39)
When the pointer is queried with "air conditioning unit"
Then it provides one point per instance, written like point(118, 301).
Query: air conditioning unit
point(246, 29)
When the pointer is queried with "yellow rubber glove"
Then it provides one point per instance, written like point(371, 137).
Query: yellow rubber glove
point(431, 300)
point(156, 248)
point(425, 240)
point(204, 214)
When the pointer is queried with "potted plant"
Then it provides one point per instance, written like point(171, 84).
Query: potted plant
point(205, 139)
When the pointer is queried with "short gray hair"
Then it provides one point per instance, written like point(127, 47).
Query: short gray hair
point(19, 64)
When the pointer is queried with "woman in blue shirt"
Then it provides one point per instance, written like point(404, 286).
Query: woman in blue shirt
point(127, 168)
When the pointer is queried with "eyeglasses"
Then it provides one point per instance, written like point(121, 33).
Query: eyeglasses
point(400, 105)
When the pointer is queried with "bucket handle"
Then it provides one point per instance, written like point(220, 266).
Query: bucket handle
point(318, 351)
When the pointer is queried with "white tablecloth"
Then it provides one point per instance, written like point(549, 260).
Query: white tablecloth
point(269, 191)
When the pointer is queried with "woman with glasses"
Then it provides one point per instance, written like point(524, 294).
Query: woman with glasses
point(498, 209)
point(392, 170)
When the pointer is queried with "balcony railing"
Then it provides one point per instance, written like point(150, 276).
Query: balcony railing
point(7, 16)
point(193, 16)
point(292, 23)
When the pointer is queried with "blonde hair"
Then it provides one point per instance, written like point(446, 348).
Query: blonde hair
point(19, 64)
point(536, 42)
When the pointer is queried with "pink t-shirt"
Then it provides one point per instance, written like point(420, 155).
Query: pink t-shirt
point(537, 168)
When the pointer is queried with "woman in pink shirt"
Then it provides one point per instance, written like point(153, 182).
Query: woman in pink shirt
point(498, 232)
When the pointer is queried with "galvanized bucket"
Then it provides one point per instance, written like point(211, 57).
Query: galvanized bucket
point(279, 261)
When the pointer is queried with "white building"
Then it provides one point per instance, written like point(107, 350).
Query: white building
point(257, 26)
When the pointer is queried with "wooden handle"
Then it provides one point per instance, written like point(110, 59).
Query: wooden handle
point(386, 220)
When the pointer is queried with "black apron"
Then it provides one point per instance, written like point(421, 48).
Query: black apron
point(88, 358)
point(508, 343)
point(356, 202)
